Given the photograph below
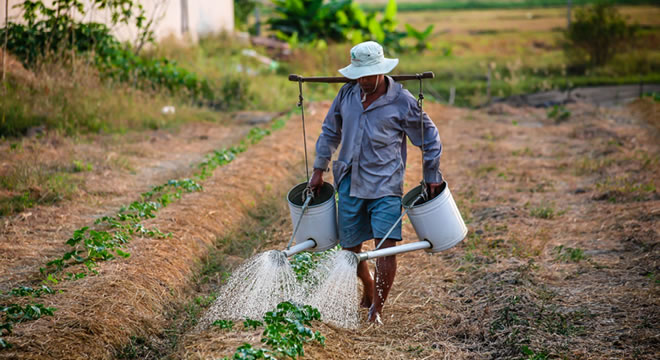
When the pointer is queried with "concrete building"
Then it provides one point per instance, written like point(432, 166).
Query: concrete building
point(184, 19)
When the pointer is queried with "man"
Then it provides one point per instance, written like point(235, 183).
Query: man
point(371, 119)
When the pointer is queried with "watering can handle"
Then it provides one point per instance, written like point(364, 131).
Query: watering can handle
point(302, 213)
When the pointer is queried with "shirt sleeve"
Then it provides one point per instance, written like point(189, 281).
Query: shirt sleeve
point(330, 136)
point(432, 144)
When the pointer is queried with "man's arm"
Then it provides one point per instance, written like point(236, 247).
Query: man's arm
point(432, 145)
point(327, 143)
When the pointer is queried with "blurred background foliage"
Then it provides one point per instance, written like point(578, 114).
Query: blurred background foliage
point(79, 78)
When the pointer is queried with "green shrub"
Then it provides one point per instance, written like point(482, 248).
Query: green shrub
point(52, 32)
point(313, 21)
point(598, 32)
point(559, 113)
point(242, 9)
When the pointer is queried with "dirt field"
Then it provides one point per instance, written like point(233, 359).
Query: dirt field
point(561, 257)
point(120, 171)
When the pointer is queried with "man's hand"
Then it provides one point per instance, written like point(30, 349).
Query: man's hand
point(316, 182)
point(433, 189)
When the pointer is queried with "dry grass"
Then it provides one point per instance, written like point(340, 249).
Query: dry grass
point(96, 315)
point(504, 291)
point(516, 20)
point(76, 100)
point(121, 169)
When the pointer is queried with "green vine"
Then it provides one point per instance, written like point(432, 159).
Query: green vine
point(286, 331)
point(15, 313)
point(91, 246)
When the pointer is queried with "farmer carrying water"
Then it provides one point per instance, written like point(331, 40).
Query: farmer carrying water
point(371, 119)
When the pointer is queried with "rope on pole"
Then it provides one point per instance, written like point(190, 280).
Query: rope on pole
point(302, 110)
point(420, 102)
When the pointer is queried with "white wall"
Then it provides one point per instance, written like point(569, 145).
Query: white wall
point(204, 16)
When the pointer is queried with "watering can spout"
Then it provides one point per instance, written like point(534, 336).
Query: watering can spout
point(305, 245)
point(394, 250)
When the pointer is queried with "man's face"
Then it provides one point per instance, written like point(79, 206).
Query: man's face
point(369, 83)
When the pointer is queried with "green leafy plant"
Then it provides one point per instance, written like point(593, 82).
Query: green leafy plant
point(532, 355)
point(54, 30)
point(315, 21)
point(420, 36)
point(566, 254)
point(242, 9)
point(286, 330)
point(79, 166)
point(246, 351)
point(52, 27)
point(545, 212)
point(28, 291)
point(15, 313)
point(224, 324)
point(252, 324)
point(559, 113)
point(303, 263)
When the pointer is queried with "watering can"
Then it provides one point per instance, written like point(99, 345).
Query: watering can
point(437, 222)
point(314, 219)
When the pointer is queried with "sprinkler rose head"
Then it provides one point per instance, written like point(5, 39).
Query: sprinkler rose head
point(350, 257)
point(278, 258)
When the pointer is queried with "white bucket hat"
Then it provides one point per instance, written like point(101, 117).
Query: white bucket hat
point(367, 59)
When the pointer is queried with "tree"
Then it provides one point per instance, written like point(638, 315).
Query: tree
point(597, 33)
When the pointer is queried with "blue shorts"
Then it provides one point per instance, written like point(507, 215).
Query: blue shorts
point(362, 219)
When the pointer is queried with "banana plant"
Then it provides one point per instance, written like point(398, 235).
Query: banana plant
point(420, 36)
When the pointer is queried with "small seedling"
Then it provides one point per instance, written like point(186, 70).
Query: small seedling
point(79, 166)
point(545, 212)
point(252, 324)
point(532, 355)
point(567, 254)
point(559, 113)
point(224, 324)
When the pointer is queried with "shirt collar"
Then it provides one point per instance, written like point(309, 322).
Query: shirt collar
point(393, 90)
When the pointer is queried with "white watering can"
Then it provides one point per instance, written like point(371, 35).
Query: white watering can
point(314, 219)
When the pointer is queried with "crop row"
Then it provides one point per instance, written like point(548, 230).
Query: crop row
point(286, 330)
point(108, 240)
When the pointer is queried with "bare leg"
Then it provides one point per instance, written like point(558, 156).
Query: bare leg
point(385, 272)
point(364, 275)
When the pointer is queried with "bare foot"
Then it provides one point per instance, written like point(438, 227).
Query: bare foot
point(366, 302)
point(374, 316)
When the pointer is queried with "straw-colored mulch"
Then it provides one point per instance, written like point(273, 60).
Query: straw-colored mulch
point(98, 314)
point(504, 290)
point(507, 290)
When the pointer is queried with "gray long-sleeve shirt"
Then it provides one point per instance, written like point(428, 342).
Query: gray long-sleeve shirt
point(373, 146)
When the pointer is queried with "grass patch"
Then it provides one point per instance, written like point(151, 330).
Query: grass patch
point(623, 188)
point(491, 4)
point(483, 170)
point(522, 318)
point(589, 165)
point(545, 211)
point(568, 254)
point(29, 185)
point(82, 103)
